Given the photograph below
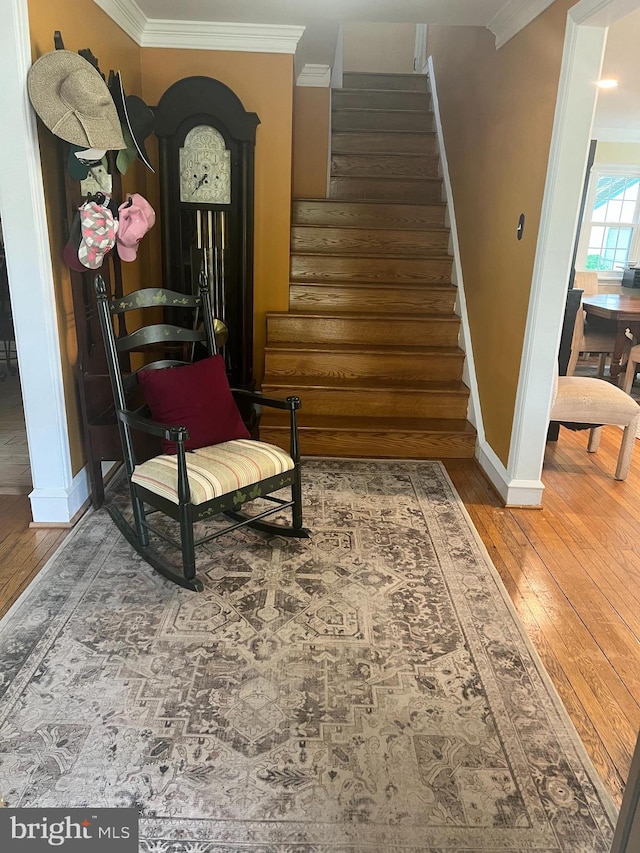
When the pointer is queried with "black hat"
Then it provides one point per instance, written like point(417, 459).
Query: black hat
point(135, 116)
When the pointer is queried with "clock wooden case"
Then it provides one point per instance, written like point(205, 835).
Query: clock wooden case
point(206, 142)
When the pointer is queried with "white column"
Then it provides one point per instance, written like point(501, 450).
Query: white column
point(575, 105)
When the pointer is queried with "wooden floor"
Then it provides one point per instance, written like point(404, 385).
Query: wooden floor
point(572, 570)
point(23, 550)
point(15, 473)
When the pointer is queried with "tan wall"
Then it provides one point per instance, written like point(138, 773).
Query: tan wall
point(82, 25)
point(379, 47)
point(311, 115)
point(264, 84)
point(497, 118)
point(620, 153)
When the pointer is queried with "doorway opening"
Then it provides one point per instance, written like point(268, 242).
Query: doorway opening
point(15, 470)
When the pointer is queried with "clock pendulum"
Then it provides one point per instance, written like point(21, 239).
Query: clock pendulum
point(206, 142)
point(211, 243)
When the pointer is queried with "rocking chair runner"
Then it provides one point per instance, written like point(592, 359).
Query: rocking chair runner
point(190, 486)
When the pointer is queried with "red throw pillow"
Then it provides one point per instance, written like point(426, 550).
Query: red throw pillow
point(196, 396)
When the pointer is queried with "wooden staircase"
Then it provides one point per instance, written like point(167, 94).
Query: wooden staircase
point(370, 340)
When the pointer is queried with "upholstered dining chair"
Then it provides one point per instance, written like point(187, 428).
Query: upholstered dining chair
point(632, 368)
point(586, 400)
point(598, 340)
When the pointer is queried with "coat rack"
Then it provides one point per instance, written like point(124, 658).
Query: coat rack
point(98, 422)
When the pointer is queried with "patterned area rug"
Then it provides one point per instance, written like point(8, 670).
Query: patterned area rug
point(369, 689)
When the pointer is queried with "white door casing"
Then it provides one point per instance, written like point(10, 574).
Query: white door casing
point(56, 495)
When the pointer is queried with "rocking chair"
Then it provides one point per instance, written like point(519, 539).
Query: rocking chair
point(191, 482)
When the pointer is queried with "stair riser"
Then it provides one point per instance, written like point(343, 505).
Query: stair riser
point(429, 367)
point(383, 270)
point(318, 299)
point(374, 403)
point(418, 191)
point(354, 120)
point(381, 143)
point(298, 328)
point(384, 166)
point(402, 82)
point(368, 214)
point(372, 100)
point(321, 239)
point(374, 445)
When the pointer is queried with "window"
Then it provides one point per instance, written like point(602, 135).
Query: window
point(610, 236)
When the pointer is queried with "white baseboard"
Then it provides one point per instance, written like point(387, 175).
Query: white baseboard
point(63, 506)
point(53, 505)
point(524, 493)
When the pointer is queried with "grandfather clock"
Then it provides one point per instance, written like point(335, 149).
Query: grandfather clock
point(206, 144)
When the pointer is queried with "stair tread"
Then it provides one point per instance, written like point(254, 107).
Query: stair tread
point(362, 284)
point(400, 227)
point(425, 286)
point(336, 173)
point(398, 131)
point(379, 110)
point(371, 201)
point(302, 279)
point(377, 154)
point(355, 91)
point(382, 349)
point(365, 315)
point(394, 75)
point(437, 255)
point(449, 386)
point(391, 215)
point(425, 255)
point(349, 280)
point(373, 424)
point(393, 178)
point(426, 229)
point(390, 317)
point(397, 74)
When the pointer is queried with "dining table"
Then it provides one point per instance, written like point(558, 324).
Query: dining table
point(623, 309)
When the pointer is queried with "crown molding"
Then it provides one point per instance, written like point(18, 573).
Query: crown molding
point(513, 17)
point(616, 134)
point(601, 13)
point(200, 35)
point(315, 75)
point(273, 38)
point(222, 35)
point(586, 9)
point(127, 15)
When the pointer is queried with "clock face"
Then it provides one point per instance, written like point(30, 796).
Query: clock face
point(205, 167)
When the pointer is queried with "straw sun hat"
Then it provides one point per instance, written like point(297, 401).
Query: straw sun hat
point(73, 101)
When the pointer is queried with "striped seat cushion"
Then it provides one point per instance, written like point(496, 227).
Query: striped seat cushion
point(214, 471)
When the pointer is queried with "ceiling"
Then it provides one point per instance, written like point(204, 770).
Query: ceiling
point(617, 117)
point(467, 12)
